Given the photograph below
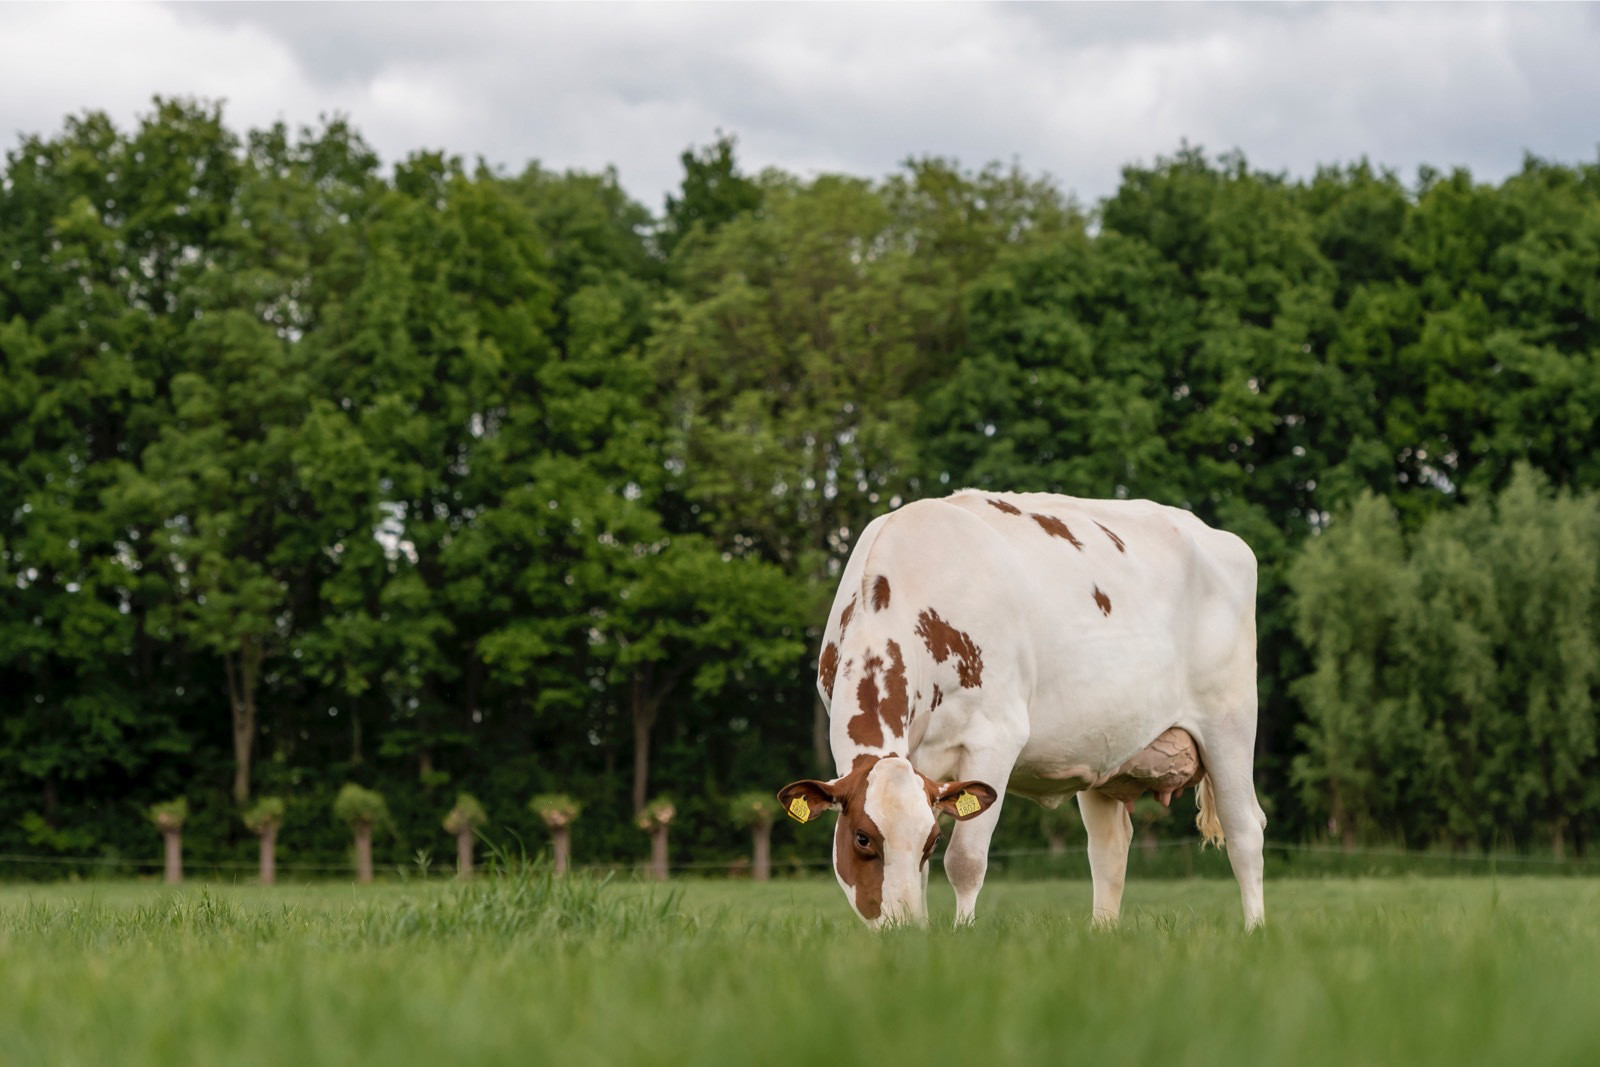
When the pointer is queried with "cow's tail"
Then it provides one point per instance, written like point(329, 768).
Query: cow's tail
point(1206, 820)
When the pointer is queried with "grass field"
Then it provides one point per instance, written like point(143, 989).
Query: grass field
point(517, 969)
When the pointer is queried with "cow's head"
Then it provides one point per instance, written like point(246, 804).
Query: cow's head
point(886, 832)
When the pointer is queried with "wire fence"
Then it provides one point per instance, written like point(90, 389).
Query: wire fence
point(1043, 861)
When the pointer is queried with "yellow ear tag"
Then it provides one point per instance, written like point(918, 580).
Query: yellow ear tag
point(967, 804)
point(799, 810)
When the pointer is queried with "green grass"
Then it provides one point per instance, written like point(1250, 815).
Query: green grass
point(516, 969)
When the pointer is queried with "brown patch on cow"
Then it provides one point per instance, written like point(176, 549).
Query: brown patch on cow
point(880, 593)
point(1001, 505)
point(1114, 538)
point(891, 708)
point(845, 616)
point(1102, 601)
point(1056, 528)
point(1166, 766)
point(864, 727)
point(938, 698)
point(944, 641)
point(828, 667)
point(861, 871)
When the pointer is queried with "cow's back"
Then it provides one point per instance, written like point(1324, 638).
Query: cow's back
point(1080, 629)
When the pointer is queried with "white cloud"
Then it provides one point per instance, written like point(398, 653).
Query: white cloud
point(1075, 90)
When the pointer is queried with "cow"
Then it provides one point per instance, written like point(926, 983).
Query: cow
point(1042, 646)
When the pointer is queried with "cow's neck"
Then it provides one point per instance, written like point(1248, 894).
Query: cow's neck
point(876, 703)
point(859, 758)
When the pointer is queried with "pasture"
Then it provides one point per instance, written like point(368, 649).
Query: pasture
point(520, 969)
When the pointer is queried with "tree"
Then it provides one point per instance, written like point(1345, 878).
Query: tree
point(94, 273)
point(361, 809)
point(169, 817)
point(788, 357)
point(713, 193)
point(1456, 671)
point(686, 612)
point(263, 819)
point(1362, 730)
point(754, 812)
point(558, 812)
point(1544, 621)
point(462, 822)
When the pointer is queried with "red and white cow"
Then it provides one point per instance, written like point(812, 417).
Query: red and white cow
point(1052, 645)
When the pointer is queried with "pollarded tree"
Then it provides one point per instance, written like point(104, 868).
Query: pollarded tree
point(462, 822)
point(654, 818)
point(263, 819)
point(169, 817)
point(558, 812)
point(754, 811)
point(361, 809)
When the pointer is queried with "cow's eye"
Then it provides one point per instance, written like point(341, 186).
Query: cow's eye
point(862, 840)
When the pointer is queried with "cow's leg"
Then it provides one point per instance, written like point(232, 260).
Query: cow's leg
point(966, 861)
point(1110, 834)
point(1229, 761)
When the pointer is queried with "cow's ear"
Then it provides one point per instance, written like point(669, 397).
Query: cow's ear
point(805, 800)
point(965, 800)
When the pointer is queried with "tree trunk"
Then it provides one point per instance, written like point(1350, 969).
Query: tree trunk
point(242, 677)
point(821, 751)
point(647, 697)
point(658, 853)
point(1558, 840)
point(363, 833)
point(464, 854)
point(761, 835)
point(644, 720)
point(355, 731)
point(561, 844)
point(1055, 844)
point(52, 803)
point(1341, 824)
point(1147, 838)
point(269, 855)
point(174, 843)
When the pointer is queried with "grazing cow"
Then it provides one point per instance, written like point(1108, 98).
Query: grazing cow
point(1050, 645)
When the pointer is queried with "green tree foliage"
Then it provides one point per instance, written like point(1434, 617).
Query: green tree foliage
point(358, 806)
point(466, 815)
point(265, 815)
point(314, 472)
point(713, 193)
point(1456, 671)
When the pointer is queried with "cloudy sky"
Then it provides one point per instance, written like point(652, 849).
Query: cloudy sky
point(1073, 90)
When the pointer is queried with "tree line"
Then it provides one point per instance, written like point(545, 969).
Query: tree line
point(439, 477)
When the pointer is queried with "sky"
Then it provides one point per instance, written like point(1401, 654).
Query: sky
point(1074, 91)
